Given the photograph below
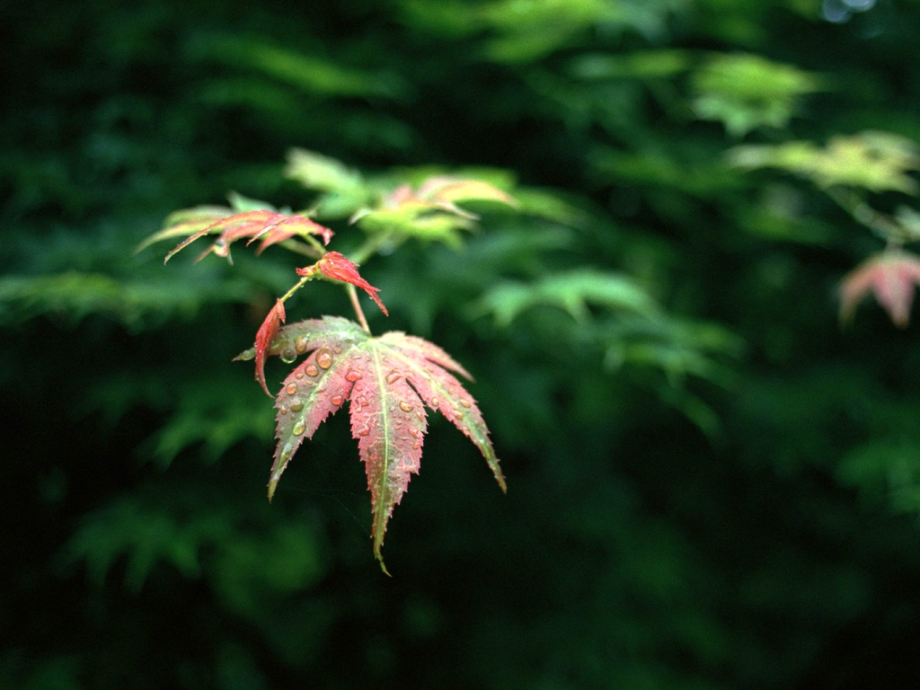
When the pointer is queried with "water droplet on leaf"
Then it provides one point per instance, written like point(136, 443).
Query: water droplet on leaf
point(465, 402)
point(288, 355)
point(435, 402)
point(283, 410)
point(324, 358)
point(393, 378)
point(405, 406)
point(337, 400)
point(291, 388)
point(300, 345)
point(296, 404)
point(352, 376)
point(312, 370)
point(299, 428)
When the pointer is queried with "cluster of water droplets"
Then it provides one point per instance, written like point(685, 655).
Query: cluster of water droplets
point(292, 399)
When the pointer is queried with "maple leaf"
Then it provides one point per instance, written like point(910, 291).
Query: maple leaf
point(891, 276)
point(267, 331)
point(335, 266)
point(269, 226)
point(387, 381)
point(430, 212)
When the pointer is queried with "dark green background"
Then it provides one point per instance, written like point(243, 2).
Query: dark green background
point(662, 529)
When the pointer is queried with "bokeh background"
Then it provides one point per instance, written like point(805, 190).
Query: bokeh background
point(712, 485)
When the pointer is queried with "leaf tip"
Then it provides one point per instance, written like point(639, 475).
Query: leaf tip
point(382, 566)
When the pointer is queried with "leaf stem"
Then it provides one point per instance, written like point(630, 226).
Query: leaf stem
point(353, 296)
point(300, 283)
point(314, 250)
point(885, 226)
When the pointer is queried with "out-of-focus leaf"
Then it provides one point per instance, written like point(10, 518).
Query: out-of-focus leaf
point(885, 469)
point(891, 276)
point(650, 64)
point(76, 295)
point(680, 348)
point(311, 73)
point(876, 161)
point(429, 212)
point(745, 91)
point(188, 531)
point(316, 171)
point(570, 291)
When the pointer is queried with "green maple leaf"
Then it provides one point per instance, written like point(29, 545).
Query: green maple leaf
point(388, 382)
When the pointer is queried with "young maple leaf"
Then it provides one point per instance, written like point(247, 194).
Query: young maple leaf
point(387, 381)
point(891, 276)
point(431, 211)
point(334, 265)
point(267, 331)
point(269, 226)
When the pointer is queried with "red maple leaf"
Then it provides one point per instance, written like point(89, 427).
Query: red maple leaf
point(269, 226)
point(267, 331)
point(388, 382)
point(334, 265)
point(891, 277)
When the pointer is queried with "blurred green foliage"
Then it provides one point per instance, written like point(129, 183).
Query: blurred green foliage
point(710, 484)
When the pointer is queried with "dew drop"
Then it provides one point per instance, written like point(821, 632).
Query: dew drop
point(435, 402)
point(299, 376)
point(362, 401)
point(299, 428)
point(337, 349)
point(405, 406)
point(337, 400)
point(393, 378)
point(300, 345)
point(288, 355)
point(312, 370)
point(416, 445)
point(465, 402)
point(324, 358)
point(283, 410)
point(291, 388)
point(363, 431)
point(352, 376)
point(296, 404)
